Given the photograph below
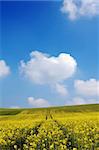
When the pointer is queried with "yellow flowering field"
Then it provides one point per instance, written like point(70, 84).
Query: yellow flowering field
point(49, 129)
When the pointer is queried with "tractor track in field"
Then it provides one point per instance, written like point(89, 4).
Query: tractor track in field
point(70, 142)
point(20, 142)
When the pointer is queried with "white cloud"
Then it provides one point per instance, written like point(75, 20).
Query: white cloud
point(4, 69)
point(78, 8)
point(80, 100)
point(40, 102)
point(87, 88)
point(51, 70)
point(61, 89)
point(15, 107)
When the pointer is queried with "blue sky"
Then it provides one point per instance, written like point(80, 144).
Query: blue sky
point(41, 26)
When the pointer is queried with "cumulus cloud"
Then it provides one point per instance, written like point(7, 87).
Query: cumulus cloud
point(4, 69)
point(87, 88)
point(80, 100)
point(45, 69)
point(40, 102)
point(78, 8)
point(61, 89)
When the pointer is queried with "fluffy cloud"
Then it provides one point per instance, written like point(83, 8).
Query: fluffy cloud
point(87, 88)
point(45, 69)
point(78, 8)
point(79, 101)
point(61, 89)
point(4, 69)
point(38, 102)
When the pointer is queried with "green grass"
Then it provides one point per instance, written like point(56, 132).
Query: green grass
point(76, 108)
point(10, 111)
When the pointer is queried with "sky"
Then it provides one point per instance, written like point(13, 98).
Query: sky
point(49, 53)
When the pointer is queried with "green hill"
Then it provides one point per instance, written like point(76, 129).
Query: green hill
point(73, 108)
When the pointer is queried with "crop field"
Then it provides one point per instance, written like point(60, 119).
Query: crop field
point(56, 128)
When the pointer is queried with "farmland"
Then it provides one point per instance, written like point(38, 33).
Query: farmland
point(54, 128)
